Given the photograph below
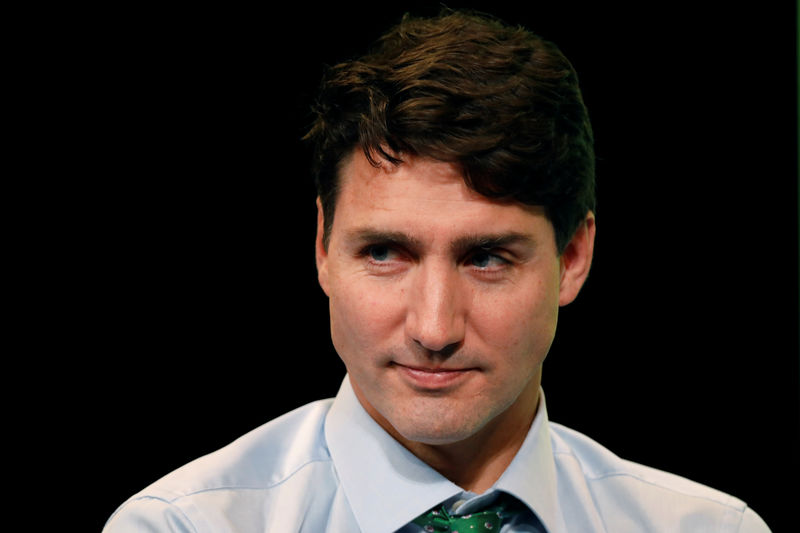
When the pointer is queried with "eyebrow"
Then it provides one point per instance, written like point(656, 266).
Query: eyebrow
point(370, 235)
point(459, 246)
point(489, 241)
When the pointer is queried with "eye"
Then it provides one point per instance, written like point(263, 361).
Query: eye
point(383, 259)
point(484, 259)
point(379, 252)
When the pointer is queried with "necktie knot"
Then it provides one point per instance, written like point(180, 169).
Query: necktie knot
point(438, 520)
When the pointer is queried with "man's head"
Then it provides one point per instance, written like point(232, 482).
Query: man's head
point(499, 102)
point(455, 181)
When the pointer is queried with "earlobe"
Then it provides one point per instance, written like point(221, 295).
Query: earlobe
point(576, 260)
point(321, 253)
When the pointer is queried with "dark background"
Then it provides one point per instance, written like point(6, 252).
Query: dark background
point(184, 294)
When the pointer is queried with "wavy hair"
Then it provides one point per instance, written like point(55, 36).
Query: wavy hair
point(465, 88)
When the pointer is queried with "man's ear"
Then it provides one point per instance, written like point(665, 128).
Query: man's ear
point(321, 252)
point(576, 260)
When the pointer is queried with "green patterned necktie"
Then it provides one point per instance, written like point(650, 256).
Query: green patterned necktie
point(438, 520)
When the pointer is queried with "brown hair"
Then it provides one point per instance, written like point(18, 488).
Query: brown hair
point(464, 88)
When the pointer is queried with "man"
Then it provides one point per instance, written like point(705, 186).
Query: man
point(455, 173)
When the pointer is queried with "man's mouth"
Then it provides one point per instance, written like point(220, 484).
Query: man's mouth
point(433, 378)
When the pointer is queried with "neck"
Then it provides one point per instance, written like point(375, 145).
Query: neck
point(477, 462)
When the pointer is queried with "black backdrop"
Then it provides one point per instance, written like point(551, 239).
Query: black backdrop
point(189, 289)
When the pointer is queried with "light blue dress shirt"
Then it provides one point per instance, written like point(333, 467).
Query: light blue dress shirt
point(328, 467)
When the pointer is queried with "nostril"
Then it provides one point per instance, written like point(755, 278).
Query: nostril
point(443, 352)
point(448, 350)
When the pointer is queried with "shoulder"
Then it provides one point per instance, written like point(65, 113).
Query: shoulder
point(645, 495)
point(598, 463)
point(262, 458)
point(250, 468)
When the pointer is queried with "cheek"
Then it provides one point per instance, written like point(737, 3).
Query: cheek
point(519, 324)
point(362, 319)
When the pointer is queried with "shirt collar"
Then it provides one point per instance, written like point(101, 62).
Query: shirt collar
point(370, 464)
point(531, 476)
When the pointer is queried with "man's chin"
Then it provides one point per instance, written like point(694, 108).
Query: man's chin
point(434, 432)
point(426, 419)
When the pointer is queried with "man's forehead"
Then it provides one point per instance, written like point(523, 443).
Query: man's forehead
point(384, 184)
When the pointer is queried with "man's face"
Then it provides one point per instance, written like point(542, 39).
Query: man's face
point(443, 303)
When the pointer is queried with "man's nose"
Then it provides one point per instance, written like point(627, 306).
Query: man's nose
point(436, 318)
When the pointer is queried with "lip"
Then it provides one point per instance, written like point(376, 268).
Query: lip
point(433, 378)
